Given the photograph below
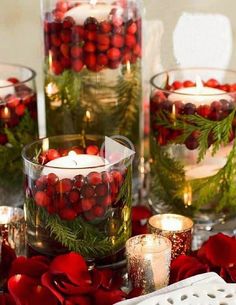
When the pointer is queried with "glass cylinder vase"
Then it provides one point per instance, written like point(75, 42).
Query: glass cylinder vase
point(92, 67)
point(18, 126)
point(193, 143)
point(76, 200)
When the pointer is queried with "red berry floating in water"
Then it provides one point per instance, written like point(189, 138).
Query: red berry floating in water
point(117, 41)
point(101, 190)
point(212, 83)
point(98, 211)
point(87, 204)
point(12, 101)
point(76, 52)
point(92, 150)
point(74, 196)
point(132, 28)
point(113, 54)
point(68, 22)
point(105, 27)
point(53, 154)
point(188, 83)
point(42, 199)
point(64, 186)
point(107, 177)
point(177, 85)
point(20, 110)
point(204, 110)
point(189, 109)
point(41, 183)
point(67, 214)
point(117, 176)
point(77, 65)
point(52, 179)
point(87, 191)
point(94, 178)
point(130, 41)
point(106, 201)
point(102, 59)
point(79, 181)
point(91, 24)
point(56, 67)
point(13, 80)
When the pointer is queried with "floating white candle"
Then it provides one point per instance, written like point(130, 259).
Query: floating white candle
point(80, 13)
point(73, 164)
point(199, 95)
point(6, 88)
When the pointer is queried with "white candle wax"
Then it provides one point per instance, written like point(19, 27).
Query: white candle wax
point(73, 164)
point(6, 88)
point(80, 13)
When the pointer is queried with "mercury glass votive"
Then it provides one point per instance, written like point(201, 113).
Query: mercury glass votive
point(177, 228)
point(13, 228)
point(148, 259)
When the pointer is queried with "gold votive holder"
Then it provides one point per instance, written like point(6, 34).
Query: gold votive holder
point(177, 228)
point(13, 228)
point(148, 261)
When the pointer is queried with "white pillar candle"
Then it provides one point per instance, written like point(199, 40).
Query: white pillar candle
point(80, 13)
point(199, 94)
point(148, 261)
point(73, 164)
point(6, 88)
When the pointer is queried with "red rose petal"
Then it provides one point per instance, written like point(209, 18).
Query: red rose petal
point(8, 255)
point(232, 274)
point(78, 300)
point(108, 297)
point(42, 295)
point(6, 299)
point(70, 289)
point(219, 251)
point(20, 287)
point(28, 266)
point(136, 292)
point(48, 281)
point(73, 266)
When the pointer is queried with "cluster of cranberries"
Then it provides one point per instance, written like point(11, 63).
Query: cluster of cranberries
point(14, 106)
point(94, 45)
point(216, 111)
point(89, 196)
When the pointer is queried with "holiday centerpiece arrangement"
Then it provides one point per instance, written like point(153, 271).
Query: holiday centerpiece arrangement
point(192, 143)
point(18, 126)
point(77, 198)
point(92, 67)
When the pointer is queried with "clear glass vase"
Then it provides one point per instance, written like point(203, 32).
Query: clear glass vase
point(92, 67)
point(18, 126)
point(193, 143)
point(75, 200)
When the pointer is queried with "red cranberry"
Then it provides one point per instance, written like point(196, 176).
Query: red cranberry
point(113, 54)
point(90, 60)
point(13, 80)
point(87, 191)
point(56, 67)
point(12, 101)
point(101, 190)
point(51, 210)
point(114, 188)
point(94, 178)
point(89, 47)
point(41, 183)
point(107, 177)
point(117, 176)
point(20, 110)
point(89, 35)
point(77, 208)
point(76, 52)
point(177, 85)
point(92, 150)
point(66, 35)
point(52, 179)
point(88, 216)
point(232, 88)
point(64, 186)
point(226, 106)
point(130, 41)
point(66, 62)
point(65, 50)
point(127, 55)
point(102, 47)
point(78, 150)
point(188, 83)
point(67, 214)
point(79, 181)
point(189, 108)
point(179, 107)
point(91, 24)
point(117, 41)
point(212, 83)
point(204, 110)
point(106, 201)
point(3, 139)
point(98, 211)
point(192, 141)
point(77, 65)
point(62, 6)
point(102, 59)
point(78, 33)
point(74, 196)
point(105, 27)
point(137, 50)
point(87, 204)
point(50, 191)
point(113, 64)
point(132, 28)
point(42, 199)
point(68, 22)
point(61, 202)
point(167, 106)
point(53, 154)
point(55, 40)
point(103, 39)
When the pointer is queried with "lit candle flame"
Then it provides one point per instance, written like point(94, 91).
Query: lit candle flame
point(51, 89)
point(88, 115)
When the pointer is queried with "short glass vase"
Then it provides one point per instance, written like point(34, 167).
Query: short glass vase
point(18, 126)
point(75, 201)
point(193, 148)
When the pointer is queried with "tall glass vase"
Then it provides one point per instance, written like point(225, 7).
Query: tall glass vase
point(18, 126)
point(92, 67)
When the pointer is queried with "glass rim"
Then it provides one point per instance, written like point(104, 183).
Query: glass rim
point(153, 84)
point(159, 216)
point(168, 244)
point(72, 136)
point(33, 74)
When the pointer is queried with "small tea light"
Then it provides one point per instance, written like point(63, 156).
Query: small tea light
point(12, 228)
point(177, 228)
point(148, 258)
